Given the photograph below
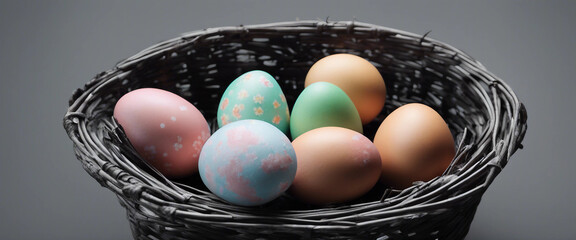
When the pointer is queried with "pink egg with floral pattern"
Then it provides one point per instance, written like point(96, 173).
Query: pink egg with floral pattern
point(165, 129)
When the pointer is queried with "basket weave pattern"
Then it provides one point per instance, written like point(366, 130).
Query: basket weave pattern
point(486, 118)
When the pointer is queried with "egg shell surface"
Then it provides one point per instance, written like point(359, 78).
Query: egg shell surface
point(323, 104)
point(254, 95)
point(165, 129)
point(415, 144)
point(248, 163)
point(335, 165)
point(356, 76)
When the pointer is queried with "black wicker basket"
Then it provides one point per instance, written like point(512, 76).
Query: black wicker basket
point(486, 118)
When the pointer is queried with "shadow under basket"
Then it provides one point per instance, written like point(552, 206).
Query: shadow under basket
point(485, 116)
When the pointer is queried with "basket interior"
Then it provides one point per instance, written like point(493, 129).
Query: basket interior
point(414, 70)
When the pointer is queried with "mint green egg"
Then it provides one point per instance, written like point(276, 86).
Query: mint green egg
point(254, 95)
point(323, 104)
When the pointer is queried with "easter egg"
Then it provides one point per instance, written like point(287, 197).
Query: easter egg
point(323, 104)
point(335, 165)
point(248, 163)
point(254, 95)
point(415, 144)
point(165, 129)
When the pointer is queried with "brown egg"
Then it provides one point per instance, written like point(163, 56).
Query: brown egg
point(359, 79)
point(335, 165)
point(415, 144)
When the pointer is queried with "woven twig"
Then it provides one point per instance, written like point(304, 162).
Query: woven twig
point(483, 113)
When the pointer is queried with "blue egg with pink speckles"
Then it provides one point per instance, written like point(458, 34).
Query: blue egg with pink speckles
point(248, 162)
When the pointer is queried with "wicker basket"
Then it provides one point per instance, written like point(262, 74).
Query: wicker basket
point(486, 118)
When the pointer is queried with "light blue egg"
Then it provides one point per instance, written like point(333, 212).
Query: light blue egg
point(248, 162)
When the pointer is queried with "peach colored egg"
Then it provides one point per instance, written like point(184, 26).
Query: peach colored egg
point(335, 165)
point(164, 128)
point(359, 78)
point(415, 144)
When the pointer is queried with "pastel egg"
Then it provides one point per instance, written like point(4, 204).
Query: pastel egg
point(254, 95)
point(335, 165)
point(165, 129)
point(248, 163)
point(323, 104)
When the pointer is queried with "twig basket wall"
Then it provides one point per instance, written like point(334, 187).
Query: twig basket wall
point(485, 116)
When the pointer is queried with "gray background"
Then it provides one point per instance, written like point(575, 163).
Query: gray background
point(49, 48)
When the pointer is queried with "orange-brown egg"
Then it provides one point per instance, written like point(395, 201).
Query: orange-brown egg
point(359, 78)
point(335, 165)
point(415, 144)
